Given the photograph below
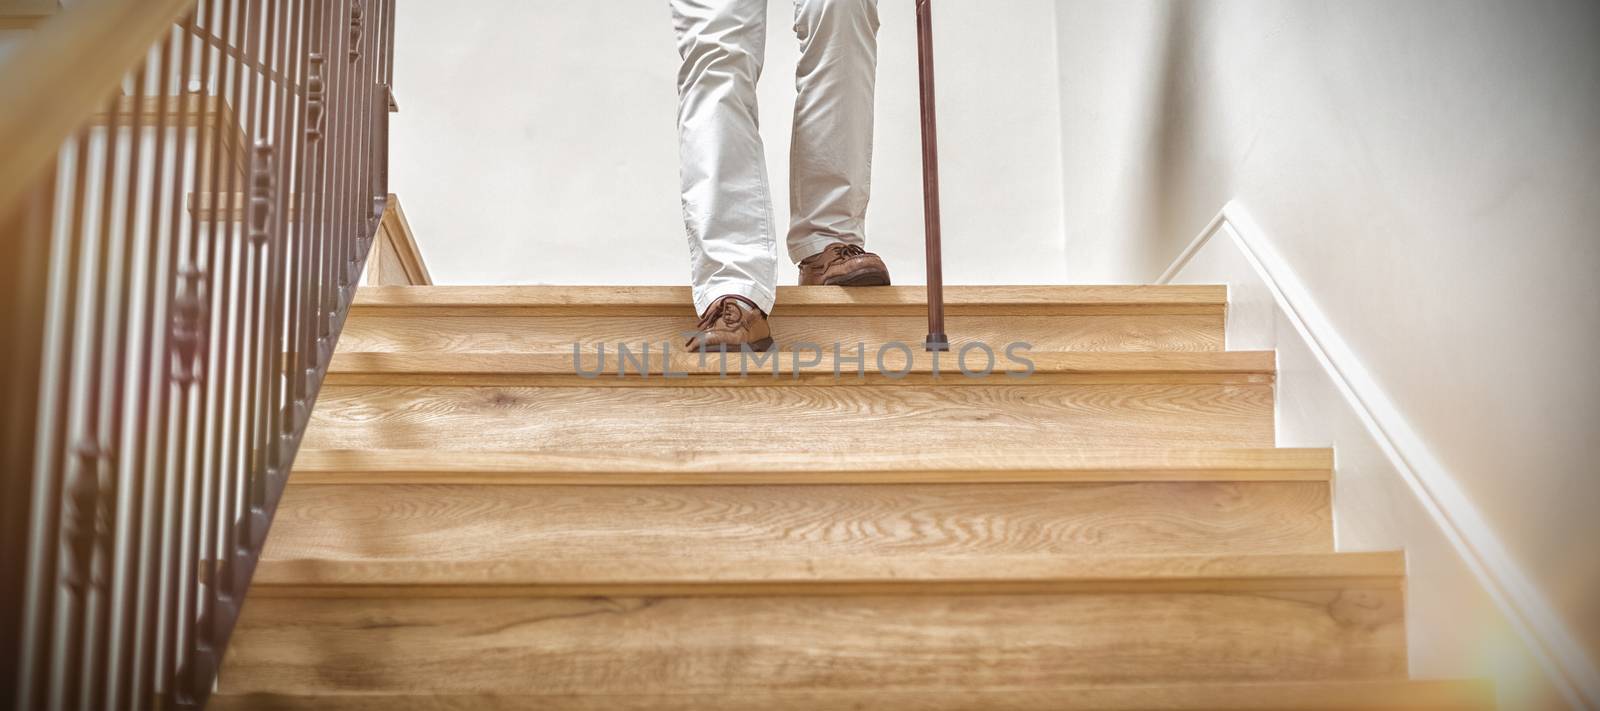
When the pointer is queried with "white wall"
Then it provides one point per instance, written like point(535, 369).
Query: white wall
point(536, 140)
point(1429, 170)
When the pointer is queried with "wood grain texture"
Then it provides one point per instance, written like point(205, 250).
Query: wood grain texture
point(891, 366)
point(670, 644)
point(825, 421)
point(1421, 695)
point(375, 332)
point(630, 576)
point(384, 266)
point(396, 259)
point(486, 524)
point(968, 466)
point(596, 301)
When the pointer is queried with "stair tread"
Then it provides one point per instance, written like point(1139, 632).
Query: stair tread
point(823, 420)
point(446, 330)
point(888, 300)
point(522, 640)
point(681, 369)
point(1388, 694)
point(839, 574)
point(487, 523)
point(610, 466)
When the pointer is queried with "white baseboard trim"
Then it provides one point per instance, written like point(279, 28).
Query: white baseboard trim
point(1563, 659)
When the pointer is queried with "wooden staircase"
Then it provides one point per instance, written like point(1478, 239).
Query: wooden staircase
point(473, 525)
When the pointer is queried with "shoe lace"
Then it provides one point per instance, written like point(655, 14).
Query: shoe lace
point(714, 314)
point(846, 252)
point(729, 308)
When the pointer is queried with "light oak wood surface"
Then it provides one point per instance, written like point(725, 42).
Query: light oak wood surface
point(700, 468)
point(374, 332)
point(625, 575)
point(1418, 695)
point(886, 367)
point(471, 523)
point(665, 642)
point(597, 301)
point(396, 259)
point(826, 421)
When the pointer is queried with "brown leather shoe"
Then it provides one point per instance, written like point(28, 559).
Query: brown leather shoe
point(843, 264)
point(730, 322)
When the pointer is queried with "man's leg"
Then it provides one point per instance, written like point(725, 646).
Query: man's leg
point(727, 206)
point(831, 157)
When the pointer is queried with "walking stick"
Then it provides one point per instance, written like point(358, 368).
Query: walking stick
point(937, 340)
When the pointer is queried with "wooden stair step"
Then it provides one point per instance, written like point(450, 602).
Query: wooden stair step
point(446, 332)
point(1418, 695)
point(653, 626)
point(602, 301)
point(894, 367)
point(444, 522)
point(620, 574)
point(699, 468)
point(550, 319)
point(826, 421)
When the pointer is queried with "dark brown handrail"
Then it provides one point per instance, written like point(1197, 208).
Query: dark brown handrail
point(169, 360)
point(936, 339)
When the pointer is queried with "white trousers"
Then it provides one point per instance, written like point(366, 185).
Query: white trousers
point(727, 206)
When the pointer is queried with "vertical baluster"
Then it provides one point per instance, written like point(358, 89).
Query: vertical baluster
point(262, 183)
point(328, 174)
point(291, 208)
point(210, 440)
point(191, 339)
point(137, 648)
point(101, 418)
point(268, 335)
point(306, 244)
point(110, 559)
point(35, 677)
point(182, 310)
point(360, 183)
point(325, 206)
point(86, 480)
point(358, 202)
point(311, 274)
point(371, 202)
point(340, 193)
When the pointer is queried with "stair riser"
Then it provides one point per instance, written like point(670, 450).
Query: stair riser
point(823, 420)
point(675, 645)
point(399, 523)
point(556, 334)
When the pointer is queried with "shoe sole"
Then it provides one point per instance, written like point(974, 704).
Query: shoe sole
point(860, 277)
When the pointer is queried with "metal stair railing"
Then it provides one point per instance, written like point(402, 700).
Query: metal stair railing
point(162, 361)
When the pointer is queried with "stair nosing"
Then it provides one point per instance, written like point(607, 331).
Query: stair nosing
point(365, 466)
point(536, 300)
point(675, 368)
point(830, 576)
point(1373, 693)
